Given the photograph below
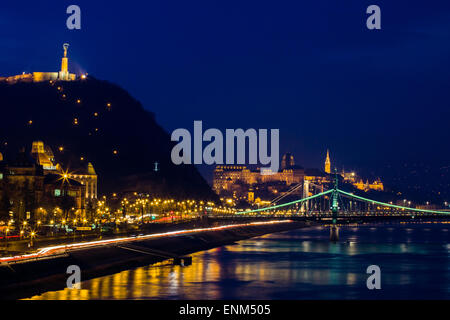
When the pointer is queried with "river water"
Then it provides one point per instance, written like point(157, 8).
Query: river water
point(414, 259)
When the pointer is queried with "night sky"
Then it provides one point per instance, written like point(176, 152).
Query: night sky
point(310, 68)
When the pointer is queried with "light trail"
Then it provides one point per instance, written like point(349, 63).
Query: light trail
point(49, 251)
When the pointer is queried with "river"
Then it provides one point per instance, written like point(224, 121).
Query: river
point(414, 259)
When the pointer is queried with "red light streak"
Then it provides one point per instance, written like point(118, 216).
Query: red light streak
point(49, 251)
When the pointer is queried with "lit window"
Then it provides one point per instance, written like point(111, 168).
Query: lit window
point(1, 176)
point(57, 193)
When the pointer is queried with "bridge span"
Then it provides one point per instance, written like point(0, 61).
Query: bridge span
point(336, 205)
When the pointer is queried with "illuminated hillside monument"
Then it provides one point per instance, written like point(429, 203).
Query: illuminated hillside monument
point(63, 75)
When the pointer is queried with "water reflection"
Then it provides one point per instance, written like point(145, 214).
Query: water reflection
point(300, 264)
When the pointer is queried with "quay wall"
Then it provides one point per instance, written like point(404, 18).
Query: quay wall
point(24, 280)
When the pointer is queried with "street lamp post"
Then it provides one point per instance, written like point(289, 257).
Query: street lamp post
point(6, 237)
point(22, 232)
point(63, 225)
point(74, 228)
point(38, 224)
point(32, 234)
point(142, 214)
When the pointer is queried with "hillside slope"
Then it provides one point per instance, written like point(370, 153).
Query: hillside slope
point(98, 122)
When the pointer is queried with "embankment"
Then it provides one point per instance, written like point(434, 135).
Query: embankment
point(24, 280)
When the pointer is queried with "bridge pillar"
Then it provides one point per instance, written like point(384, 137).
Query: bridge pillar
point(334, 230)
point(306, 194)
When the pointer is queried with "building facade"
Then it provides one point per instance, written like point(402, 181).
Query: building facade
point(226, 176)
point(29, 193)
point(85, 175)
point(241, 182)
point(34, 186)
point(377, 185)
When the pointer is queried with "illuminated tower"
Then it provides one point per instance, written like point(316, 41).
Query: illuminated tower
point(43, 155)
point(287, 161)
point(328, 163)
point(64, 73)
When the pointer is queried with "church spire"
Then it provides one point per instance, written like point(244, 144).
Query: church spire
point(328, 163)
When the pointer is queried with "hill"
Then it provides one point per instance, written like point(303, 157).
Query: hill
point(98, 122)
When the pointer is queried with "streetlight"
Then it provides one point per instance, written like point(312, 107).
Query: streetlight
point(24, 224)
point(6, 237)
point(63, 225)
point(32, 237)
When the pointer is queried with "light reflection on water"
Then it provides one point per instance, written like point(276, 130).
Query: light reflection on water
point(300, 264)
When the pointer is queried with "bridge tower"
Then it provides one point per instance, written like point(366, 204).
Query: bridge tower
point(334, 230)
point(305, 194)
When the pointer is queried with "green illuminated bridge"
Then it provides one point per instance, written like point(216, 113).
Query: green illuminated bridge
point(336, 203)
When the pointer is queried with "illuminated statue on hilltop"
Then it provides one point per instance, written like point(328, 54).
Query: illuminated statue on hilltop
point(63, 75)
point(65, 46)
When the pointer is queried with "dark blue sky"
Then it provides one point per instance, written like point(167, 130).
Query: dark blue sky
point(310, 68)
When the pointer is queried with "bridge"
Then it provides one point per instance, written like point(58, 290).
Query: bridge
point(335, 204)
